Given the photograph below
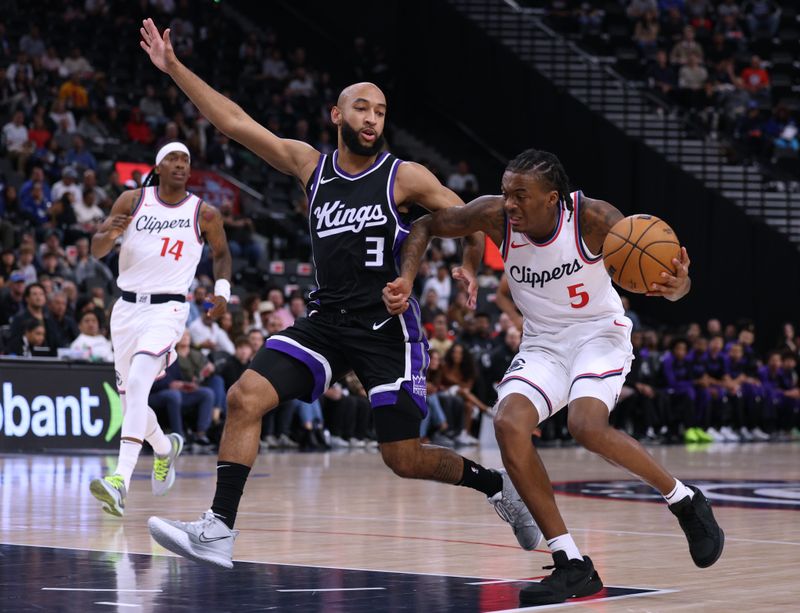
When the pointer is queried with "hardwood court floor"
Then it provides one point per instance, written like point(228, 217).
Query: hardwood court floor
point(345, 510)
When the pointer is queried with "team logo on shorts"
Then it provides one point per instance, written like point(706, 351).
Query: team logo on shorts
point(722, 493)
point(419, 385)
point(517, 364)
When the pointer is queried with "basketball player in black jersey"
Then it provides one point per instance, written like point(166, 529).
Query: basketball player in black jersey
point(356, 199)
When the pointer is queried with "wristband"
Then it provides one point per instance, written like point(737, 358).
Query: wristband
point(223, 288)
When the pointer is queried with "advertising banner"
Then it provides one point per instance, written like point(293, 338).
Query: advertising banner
point(47, 405)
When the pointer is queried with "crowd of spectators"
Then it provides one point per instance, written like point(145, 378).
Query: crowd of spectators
point(727, 65)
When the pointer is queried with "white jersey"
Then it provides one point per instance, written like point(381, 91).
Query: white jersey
point(557, 283)
point(161, 247)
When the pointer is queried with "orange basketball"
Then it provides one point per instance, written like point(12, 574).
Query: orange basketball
point(637, 250)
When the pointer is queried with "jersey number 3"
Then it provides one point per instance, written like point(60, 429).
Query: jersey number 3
point(175, 250)
point(583, 297)
point(375, 253)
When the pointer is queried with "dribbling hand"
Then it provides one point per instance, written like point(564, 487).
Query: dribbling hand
point(470, 283)
point(158, 47)
point(674, 287)
point(395, 296)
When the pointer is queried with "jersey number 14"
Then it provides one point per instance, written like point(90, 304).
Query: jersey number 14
point(175, 250)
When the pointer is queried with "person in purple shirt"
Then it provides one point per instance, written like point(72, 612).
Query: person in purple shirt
point(678, 377)
point(782, 396)
point(741, 381)
point(698, 368)
point(726, 408)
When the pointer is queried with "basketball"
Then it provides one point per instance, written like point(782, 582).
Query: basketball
point(638, 249)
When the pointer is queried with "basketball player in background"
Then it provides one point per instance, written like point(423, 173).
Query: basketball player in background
point(163, 228)
point(355, 199)
point(575, 351)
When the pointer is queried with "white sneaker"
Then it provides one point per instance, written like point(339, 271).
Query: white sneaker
point(759, 434)
point(745, 434)
point(357, 443)
point(207, 540)
point(269, 442)
point(729, 434)
point(163, 476)
point(465, 439)
point(715, 435)
point(512, 510)
point(285, 442)
point(337, 442)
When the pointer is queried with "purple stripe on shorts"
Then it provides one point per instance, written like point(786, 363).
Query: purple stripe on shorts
point(382, 399)
point(314, 365)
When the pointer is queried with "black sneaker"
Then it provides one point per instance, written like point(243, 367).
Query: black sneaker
point(570, 579)
point(705, 537)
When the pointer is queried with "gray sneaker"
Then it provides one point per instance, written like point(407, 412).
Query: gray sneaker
point(111, 492)
point(207, 540)
point(164, 466)
point(512, 509)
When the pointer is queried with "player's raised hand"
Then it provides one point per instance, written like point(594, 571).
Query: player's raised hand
point(470, 283)
point(220, 305)
point(674, 287)
point(158, 47)
point(395, 296)
point(117, 224)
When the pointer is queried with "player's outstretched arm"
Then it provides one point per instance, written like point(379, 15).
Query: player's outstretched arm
point(292, 157)
point(214, 231)
point(484, 214)
point(115, 224)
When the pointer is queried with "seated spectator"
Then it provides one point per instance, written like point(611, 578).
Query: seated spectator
point(197, 305)
point(265, 310)
point(73, 93)
point(87, 211)
point(463, 182)
point(458, 375)
point(672, 26)
point(691, 80)
point(25, 263)
point(686, 48)
point(443, 286)
point(235, 367)
point(680, 389)
point(497, 362)
point(223, 154)
point(55, 268)
point(276, 297)
point(77, 64)
point(151, 108)
point(645, 34)
point(78, 156)
point(92, 128)
point(137, 128)
point(39, 133)
point(719, 49)
point(459, 310)
point(96, 346)
point(67, 328)
point(89, 268)
point(297, 306)
point(12, 297)
point(32, 43)
point(35, 205)
point(729, 27)
point(763, 18)
point(16, 141)
point(35, 301)
point(51, 62)
point(239, 230)
point(755, 78)
point(68, 184)
point(441, 339)
point(179, 397)
point(59, 113)
point(430, 307)
point(208, 336)
point(31, 342)
point(729, 7)
point(779, 381)
point(741, 380)
point(256, 339)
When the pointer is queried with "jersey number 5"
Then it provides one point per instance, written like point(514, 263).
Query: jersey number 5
point(583, 297)
point(376, 253)
point(175, 250)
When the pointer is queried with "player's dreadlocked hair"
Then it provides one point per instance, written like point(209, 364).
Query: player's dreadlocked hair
point(152, 178)
point(546, 167)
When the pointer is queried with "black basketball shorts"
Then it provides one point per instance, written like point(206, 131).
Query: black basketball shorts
point(387, 353)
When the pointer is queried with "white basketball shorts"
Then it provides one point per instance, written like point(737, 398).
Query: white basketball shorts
point(583, 360)
point(152, 329)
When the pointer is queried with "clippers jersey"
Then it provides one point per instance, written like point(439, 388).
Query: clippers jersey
point(356, 232)
point(161, 247)
point(557, 283)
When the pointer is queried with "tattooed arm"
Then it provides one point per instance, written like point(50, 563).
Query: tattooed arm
point(485, 214)
point(597, 217)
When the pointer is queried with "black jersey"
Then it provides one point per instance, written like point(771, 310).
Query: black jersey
point(356, 232)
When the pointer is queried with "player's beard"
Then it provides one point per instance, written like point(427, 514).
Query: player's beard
point(350, 138)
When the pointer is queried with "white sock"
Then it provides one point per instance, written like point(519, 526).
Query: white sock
point(566, 544)
point(128, 455)
point(679, 492)
point(155, 435)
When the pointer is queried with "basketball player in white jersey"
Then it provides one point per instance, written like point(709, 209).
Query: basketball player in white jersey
point(163, 229)
point(575, 350)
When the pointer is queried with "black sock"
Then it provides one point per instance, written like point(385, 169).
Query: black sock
point(479, 478)
point(231, 478)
